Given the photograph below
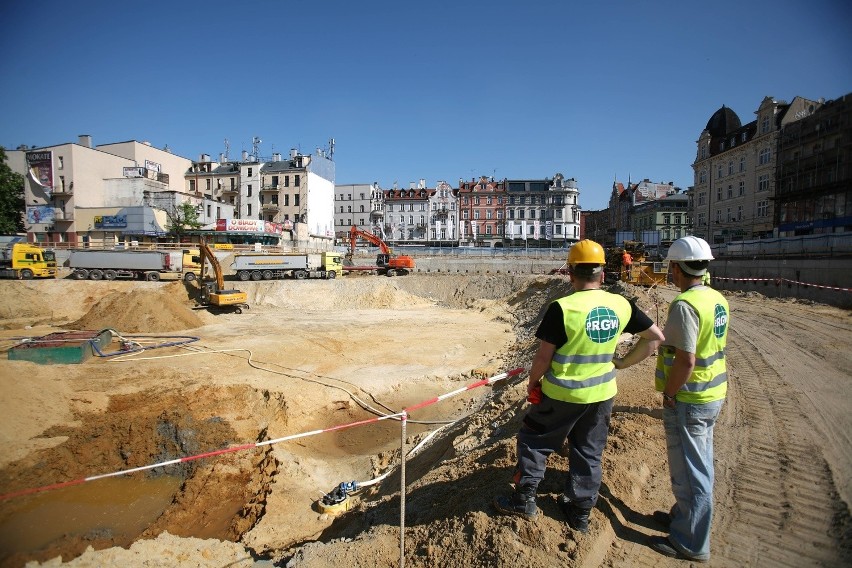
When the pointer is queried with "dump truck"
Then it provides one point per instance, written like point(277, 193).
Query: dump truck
point(149, 265)
point(260, 266)
point(24, 261)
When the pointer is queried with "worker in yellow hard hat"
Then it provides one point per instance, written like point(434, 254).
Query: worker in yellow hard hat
point(572, 386)
point(692, 377)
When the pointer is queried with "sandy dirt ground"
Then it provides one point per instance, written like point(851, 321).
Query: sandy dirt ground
point(312, 355)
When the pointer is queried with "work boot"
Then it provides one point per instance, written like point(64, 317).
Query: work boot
point(578, 517)
point(520, 503)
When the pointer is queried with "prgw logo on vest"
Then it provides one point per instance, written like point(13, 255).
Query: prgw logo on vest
point(720, 320)
point(601, 324)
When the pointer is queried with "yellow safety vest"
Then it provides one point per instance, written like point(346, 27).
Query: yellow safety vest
point(709, 378)
point(581, 371)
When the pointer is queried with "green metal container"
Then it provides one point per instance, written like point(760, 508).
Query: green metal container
point(66, 347)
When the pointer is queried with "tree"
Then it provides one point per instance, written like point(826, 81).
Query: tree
point(11, 198)
point(181, 218)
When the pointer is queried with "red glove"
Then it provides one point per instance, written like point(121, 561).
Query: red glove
point(534, 397)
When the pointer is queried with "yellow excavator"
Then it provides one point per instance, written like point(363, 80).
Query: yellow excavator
point(213, 292)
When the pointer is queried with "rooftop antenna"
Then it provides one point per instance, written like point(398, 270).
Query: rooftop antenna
point(331, 149)
point(255, 142)
point(227, 149)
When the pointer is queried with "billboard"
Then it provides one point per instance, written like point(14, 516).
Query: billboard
point(40, 169)
point(40, 214)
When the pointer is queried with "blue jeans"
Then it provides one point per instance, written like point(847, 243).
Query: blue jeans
point(689, 438)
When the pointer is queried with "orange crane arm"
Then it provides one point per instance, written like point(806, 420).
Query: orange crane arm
point(355, 232)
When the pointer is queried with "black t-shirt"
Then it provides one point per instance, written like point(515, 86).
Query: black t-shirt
point(552, 327)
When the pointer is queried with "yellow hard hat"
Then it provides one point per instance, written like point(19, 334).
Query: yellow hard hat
point(586, 252)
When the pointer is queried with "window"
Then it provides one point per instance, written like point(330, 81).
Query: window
point(728, 215)
point(703, 152)
point(719, 193)
point(275, 181)
point(296, 200)
point(476, 213)
point(248, 210)
point(296, 180)
point(677, 219)
point(362, 196)
point(764, 156)
point(488, 213)
point(722, 146)
point(341, 207)
point(476, 200)
point(731, 168)
point(763, 182)
point(362, 210)
point(532, 213)
point(61, 163)
point(743, 137)
point(763, 208)
point(465, 214)
point(718, 215)
point(287, 201)
point(739, 212)
point(287, 184)
point(361, 221)
point(742, 188)
point(764, 125)
point(702, 176)
point(192, 185)
point(667, 219)
point(411, 219)
point(248, 192)
point(249, 175)
point(719, 173)
point(730, 191)
point(742, 164)
point(349, 209)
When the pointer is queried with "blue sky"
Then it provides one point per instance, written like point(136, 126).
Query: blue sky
point(439, 90)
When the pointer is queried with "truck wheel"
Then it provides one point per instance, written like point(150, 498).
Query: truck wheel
point(152, 276)
point(391, 272)
point(190, 277)
point(255, 275)
point(301, 275)
point(243, 275)
point(332, 274)
point(109, 274)
point(238, 310)
point(26, 274)
point(80, 274)
point(96, 275)
point(267, 275)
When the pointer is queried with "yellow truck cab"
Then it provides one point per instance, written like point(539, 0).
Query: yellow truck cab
point(191, 264)
point(22, 260)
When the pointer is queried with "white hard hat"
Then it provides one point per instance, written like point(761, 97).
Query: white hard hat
point(689, 248)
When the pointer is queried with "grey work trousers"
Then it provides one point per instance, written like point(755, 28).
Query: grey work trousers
point(544, 430)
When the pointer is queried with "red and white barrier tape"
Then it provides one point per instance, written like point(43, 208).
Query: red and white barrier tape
point(242, 447)
point(779, 281)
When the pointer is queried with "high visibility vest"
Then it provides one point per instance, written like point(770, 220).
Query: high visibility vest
point(581, 371)
point(709, 378)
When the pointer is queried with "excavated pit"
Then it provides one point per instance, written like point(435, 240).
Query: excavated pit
point(219, 497)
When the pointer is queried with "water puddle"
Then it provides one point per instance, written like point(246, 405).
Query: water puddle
point(113, 509)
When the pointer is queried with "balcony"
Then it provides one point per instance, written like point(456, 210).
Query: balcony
point(60, 191)
point(269, 188)
point(61, 215)
point(227, 190)
point(269, 207)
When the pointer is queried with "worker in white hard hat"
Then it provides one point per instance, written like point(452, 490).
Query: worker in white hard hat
point(572, 385)
point(692, 377)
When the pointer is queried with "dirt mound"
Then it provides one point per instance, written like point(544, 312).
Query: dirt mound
point(141, 311)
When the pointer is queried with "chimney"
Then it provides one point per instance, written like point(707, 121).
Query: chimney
point(86, 140)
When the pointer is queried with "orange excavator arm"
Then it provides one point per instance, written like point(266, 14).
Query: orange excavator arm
point(355, 232)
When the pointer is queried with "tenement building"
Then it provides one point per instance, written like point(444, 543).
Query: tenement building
point(735, 170)
point(814, 171)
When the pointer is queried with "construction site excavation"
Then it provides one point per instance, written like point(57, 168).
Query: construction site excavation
point(143, 427)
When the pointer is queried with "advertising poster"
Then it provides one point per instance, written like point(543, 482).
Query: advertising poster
point(40, 167)
point(39, 214)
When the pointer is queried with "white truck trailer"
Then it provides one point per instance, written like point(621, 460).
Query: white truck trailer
point(149, 265)
point(259, 266)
